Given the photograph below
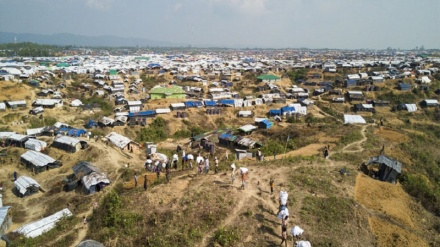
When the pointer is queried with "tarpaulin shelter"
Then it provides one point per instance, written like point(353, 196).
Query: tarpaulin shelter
point(389, 169)
point(38, 162)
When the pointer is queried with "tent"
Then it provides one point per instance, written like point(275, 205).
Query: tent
point(39, 227)
point(76, 103)
point(25, 186)
point(90, 243)
point(389, 169)
point(38, 162)
point(35, 144)
point(353, 119)
point(91, 124)
point(94, 182)
point(5, 219)
point(67, 143)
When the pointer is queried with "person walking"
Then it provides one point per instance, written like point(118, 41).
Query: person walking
point(175, 160)
point(243, 180)
point(145, 183)
point(259, 154)
point(271, 183)
point(233, 172)
point(135, 180)
point(216, 165)
point(284, 230)
point(206, 165)
point(325, 153)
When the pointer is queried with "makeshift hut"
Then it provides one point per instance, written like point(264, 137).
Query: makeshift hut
point(67, 143)
point(39, 227)
point(34, 144)
point(120, 141)
point(25, 186)
point(363, 107)
point(5, 219)
point(38, 162)
point(94, 182)
point(389, 169)
point(247, 129)
point(16, 140)
point(354, 119)
point(90, 243)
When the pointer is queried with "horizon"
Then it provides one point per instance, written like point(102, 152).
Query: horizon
point(265, 24)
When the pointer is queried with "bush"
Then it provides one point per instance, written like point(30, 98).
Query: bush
point(157, 131)
point(226, 236)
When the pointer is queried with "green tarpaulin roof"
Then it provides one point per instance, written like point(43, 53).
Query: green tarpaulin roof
point(268, 77)
point(167, 90)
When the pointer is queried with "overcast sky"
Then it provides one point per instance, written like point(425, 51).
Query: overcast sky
point(349, 24)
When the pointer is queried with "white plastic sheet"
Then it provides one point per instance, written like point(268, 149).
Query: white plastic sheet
point(296, 231)
point(283, 197)
point(283, 213)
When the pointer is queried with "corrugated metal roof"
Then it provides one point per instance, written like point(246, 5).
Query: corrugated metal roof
point(37, 158)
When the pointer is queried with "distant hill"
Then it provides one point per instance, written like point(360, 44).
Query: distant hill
point(81, 40)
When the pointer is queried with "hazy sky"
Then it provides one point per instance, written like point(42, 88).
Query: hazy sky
point(348, 24)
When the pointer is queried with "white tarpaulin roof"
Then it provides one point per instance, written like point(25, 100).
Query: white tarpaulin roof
point(37, 158)
point(354, 119)
point(303, 243)
point(163, 110)
point(67, 140)
point(35, 131)
point(118, 140)
point(296, 231)
point(411, 107)
point(39, 227)
point(178, 105)
point(248, 127)
point(4, 135)
point(94, 178)
point(35, 144)
point(23, 182)
point(2, 106)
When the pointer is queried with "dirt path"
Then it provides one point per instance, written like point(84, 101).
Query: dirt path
point(356, 146)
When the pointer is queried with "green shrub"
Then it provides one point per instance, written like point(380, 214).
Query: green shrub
point(226, 236)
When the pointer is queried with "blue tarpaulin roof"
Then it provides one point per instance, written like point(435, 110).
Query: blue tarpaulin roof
point(154, 65)
point(227, 136)
point(274, 112)
point(76, 132)
point(142, 113)
point(287, 109)
point(266, 123)
point(91, 123)
point(227, 102)
point(193, 104)
point(210, 103)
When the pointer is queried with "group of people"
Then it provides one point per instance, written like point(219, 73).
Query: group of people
point(243, 173)
point(283, 214)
